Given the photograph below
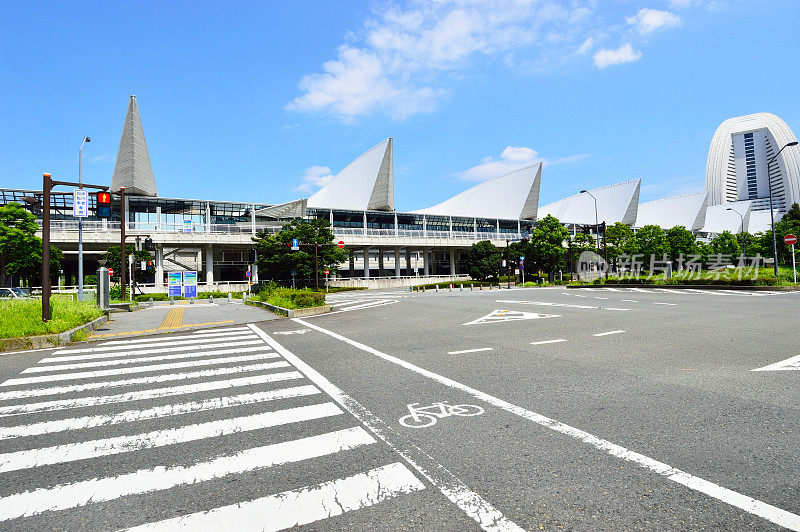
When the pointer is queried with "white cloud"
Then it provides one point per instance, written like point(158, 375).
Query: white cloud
point(648, 20)
point(624, 54)
point(315, 178)
point(586, 46)
point(679, 4)
point(103, 158)
point(511, 158)
point(398, 63)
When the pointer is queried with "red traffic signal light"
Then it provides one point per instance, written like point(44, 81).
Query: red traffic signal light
point(104, 205)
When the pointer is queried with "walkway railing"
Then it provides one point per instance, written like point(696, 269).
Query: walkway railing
point(64, 226)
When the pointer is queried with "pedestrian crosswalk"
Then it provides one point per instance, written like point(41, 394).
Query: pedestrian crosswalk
point(139, 422)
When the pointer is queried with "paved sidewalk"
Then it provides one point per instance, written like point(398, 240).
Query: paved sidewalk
point(162, 318)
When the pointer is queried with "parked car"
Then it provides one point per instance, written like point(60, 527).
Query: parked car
point(13, 293)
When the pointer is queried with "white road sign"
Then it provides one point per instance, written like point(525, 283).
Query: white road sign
point(80, 203)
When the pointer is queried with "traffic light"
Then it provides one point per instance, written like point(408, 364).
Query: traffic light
point(149, 245)
point(103, 205)
point(252, 257)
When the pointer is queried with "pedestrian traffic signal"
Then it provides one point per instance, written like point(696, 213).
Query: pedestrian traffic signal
point(149, 245)
point(103, 205)
point(252, 257)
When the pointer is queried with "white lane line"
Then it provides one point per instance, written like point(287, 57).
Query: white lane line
point(160, 358)
point(157, 339)
point(157, 345)
point(127, 353)
point(70, 452)
point(129, 416)
point(153, 379)
point(487, 516)
point(670, 304)
point(748, 504)
point(607, 333)
point(640, 290)
point(548, 304)
point(578, 295)
point(65, 496)
point(348, 309)
point(139, 369)
point(598, 297)
point(470, 351)
point(784, 365)
point(609, 289)
point(542, 342)
point(300, 506)
point(630, 300)
point(80, 402)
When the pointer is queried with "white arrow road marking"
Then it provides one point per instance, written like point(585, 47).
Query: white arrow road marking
point(96, 490)
point(548, 304)
point(298, 331)
point(785, 365)
point(510, 315)
point(748, 504)
point(301, 506)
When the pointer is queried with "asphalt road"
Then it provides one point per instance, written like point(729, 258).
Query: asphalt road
point(588, 409)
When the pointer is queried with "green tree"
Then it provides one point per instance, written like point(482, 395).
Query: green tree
point(483, 261)
point(620, 240)
point(583, 242)
point(680, 241)
point(651, 241)
point(546, 248)
point(276, 260)
point(726, 243)
point(113, 261)
point(21, 249)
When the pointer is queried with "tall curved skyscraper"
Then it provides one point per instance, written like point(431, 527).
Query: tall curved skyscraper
point(737, 163)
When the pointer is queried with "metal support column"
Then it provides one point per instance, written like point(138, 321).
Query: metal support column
point(160, 265)
point(426, 261)
point(380, 263)
point(409, 271)
point(397, 262)
point(366, 263)
point(352, 263)
point(453, 261)
point(209, 266)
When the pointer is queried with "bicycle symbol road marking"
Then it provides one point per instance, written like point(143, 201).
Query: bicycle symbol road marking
point(426, 416)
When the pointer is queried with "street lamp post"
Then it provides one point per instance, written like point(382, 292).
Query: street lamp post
point(772, 212)
point(596, 224)
point(741, 230)
point(80, 225)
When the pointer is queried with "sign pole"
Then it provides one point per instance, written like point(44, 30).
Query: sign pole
point(123, 256)
point(794, 268)
point(46, 186)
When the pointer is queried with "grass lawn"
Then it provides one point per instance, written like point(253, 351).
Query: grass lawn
point(24, 317)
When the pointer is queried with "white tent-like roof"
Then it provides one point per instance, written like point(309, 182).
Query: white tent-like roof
point(688, 210)
point(760, 221)
point(365, 184)
point(513, 196)
point(615, 203)
point(719, 218)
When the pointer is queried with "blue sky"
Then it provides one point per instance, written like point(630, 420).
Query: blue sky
point(264, 101)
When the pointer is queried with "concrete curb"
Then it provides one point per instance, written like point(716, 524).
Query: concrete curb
point(752, 288)
point(49, 340)
point(290, 313)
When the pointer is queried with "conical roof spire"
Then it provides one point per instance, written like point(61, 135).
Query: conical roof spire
point(132, 169)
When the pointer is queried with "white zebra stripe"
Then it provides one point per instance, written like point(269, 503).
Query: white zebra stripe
point(155, 339)
point(129, 416)
point(160, 358)
point(164, 347)
point(96, 490)
point(63, 404)
point(60, 390)
point(70, 452)
point(139, 369)
point(301, 506)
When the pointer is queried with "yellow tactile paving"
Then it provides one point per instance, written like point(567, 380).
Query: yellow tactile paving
point(160, 329)
point(173, 319)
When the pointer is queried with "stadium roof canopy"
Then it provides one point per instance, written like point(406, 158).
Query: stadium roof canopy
point(615, 203)
point(366, 184)
point(727, 217)
point(760, 221)
point(512, 196)
point(688, 210)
